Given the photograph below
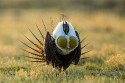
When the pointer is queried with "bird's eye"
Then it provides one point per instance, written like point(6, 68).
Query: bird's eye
point(72, 42)
point(62, 42)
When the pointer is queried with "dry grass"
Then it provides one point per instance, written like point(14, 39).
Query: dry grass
point(116, 62)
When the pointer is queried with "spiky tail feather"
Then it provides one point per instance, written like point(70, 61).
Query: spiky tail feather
point(38, 54)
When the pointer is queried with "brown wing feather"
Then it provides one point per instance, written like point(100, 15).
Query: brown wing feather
point(48, 47)
point(51, 56)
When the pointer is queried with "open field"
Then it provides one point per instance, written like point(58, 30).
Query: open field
point(105, 33)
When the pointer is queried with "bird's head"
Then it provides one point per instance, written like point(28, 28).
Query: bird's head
point(65, 37)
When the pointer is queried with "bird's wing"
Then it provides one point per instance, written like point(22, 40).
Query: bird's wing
point(78, 50)
point(50, 48)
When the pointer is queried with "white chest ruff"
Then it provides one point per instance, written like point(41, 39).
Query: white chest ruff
point(59, 32)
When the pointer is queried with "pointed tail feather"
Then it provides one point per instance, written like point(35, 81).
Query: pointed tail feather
point(85, 58)
point(85, 52)
point(30, 47)
point(39, 55)
point(83, 39)
point(44, 25)
point(33, 43)
point(34, 58)
point(40, 32)
point(36, 38)
point(84, 46)
point(52, 24)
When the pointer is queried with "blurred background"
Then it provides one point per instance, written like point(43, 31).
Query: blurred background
point(102, 21)
point(97, 14)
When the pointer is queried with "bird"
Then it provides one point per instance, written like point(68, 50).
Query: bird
point(61, 48)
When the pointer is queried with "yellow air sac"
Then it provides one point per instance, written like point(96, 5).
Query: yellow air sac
point(62, 42)
point(72, 42)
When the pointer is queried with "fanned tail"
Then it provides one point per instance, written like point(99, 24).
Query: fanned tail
point(84, 47)
point(38, 53)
